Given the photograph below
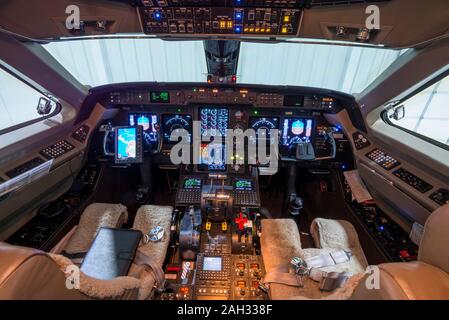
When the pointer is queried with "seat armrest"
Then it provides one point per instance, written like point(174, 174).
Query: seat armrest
point(406, 281)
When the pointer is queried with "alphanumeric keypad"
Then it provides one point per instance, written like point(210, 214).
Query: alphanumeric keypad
point(56, 150)
point(245, 198)
point(382, 159)
point(188, 196)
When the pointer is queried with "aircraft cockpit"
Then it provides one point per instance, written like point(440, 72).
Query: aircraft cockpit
point(224, 150)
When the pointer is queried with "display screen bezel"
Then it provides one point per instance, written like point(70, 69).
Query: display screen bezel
point(147, 139)
point(207, 265)
point(148, 114)
point(201, 107)
point(251, 188)
point(207, 167)
point(158, 100)
point(164, 116)
point(138, 142)
point(191, 187)
point(312, 132)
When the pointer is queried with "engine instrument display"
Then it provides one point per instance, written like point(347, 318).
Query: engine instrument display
point(212, 157)
point(214, 121)
point(243, 185)
point(191, 183)
point(148, 122)
point(296, 130)
point(175, 123)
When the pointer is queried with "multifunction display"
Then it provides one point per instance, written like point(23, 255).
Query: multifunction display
point(128, 144)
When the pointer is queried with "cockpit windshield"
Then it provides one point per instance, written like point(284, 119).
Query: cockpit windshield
point(348, 69)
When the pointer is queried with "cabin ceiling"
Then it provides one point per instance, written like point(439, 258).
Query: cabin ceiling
point(404, 23)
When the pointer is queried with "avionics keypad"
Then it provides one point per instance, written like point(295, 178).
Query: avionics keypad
point(245, 198)
point(189, 196)
point(56, 150)
point(382, 159)
point(219, 275)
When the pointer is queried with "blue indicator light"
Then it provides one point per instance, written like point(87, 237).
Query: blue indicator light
point(238, 16)
point(238, 29)
point(157, 15)
point(238, 1)
point(343, 166)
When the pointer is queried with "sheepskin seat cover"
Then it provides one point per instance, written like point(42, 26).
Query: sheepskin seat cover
point(94, 217)
point(148, 217)
point(139, 283)
point(280, 242)
point(120, 288)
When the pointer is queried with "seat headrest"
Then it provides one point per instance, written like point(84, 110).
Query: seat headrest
point(433, 247)
point(27, 273)
point(11, 257)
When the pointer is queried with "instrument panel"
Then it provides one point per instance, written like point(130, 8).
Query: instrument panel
point(297, 117)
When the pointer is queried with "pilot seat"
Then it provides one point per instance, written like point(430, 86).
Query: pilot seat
point(27, 273)
point(424, 279)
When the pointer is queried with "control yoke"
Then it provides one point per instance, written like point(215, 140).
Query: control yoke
point(158, 148)
point(306, 152)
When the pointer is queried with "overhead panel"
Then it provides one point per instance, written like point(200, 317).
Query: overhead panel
point(221, 18)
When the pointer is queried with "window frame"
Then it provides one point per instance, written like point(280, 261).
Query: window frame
point(57, 110)
point(386, 119)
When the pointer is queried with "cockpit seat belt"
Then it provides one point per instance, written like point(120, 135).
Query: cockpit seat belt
point(328, 259)
point(146, 262)
point(294, 274)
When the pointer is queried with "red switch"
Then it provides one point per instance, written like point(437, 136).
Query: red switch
point(241, 221)
point(404, 254)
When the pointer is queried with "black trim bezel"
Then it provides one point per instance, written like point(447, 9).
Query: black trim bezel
point(29, 122)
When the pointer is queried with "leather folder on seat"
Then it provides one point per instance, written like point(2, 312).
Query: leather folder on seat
point(111, 253)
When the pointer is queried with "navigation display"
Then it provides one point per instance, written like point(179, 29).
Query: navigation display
point(148, 122)
point(296, 130)
point(175, 123)
point(212, 264)
point(128, 145)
